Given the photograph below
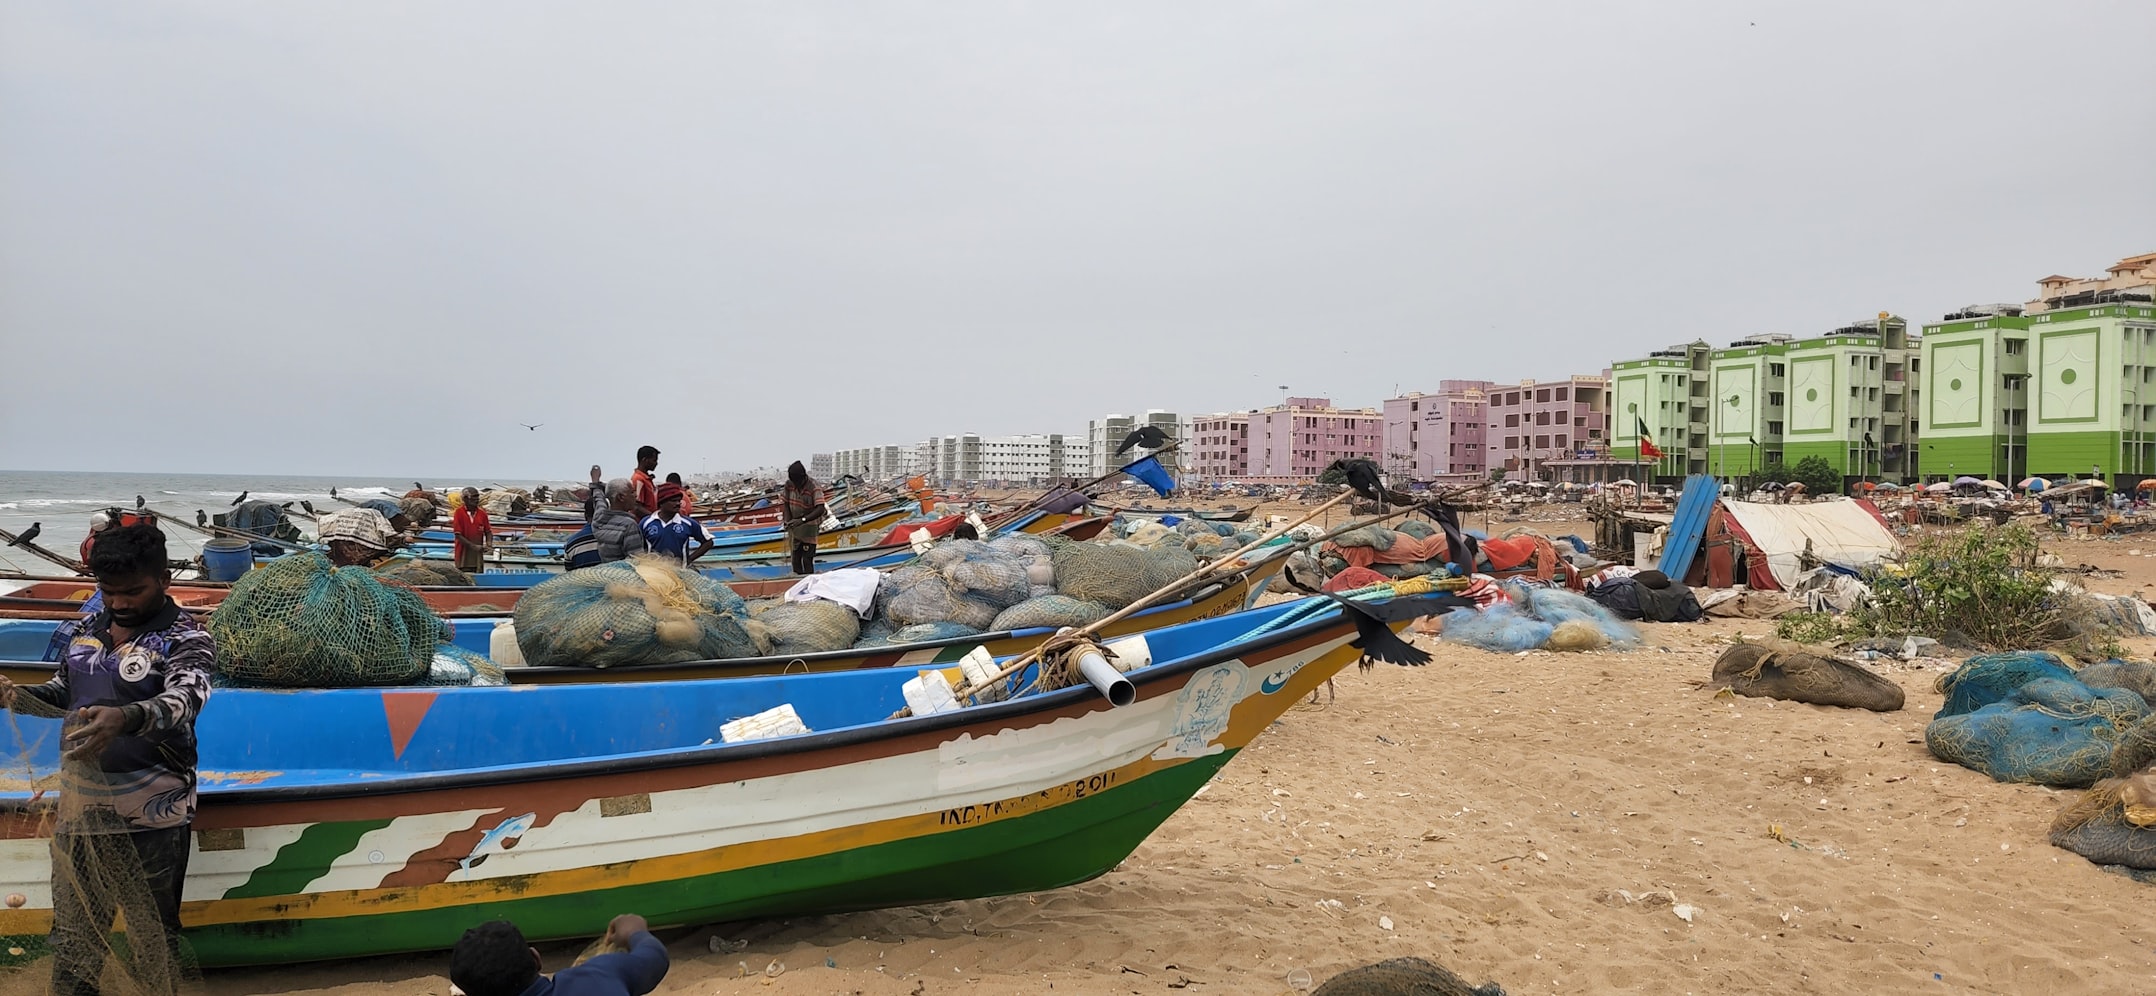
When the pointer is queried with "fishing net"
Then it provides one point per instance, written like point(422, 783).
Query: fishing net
point(1558, 606)
point(1987, 678)
point(920, 633)
point(455, 666)
point(2137, 678)
point(2051, 731)
point(425, 574)
point(1403, 977)
point(644, 610)
point(420, 510)
point(1416, 528)
point(2113, 823)
point(1499, 629)
point(1051, 611)
point(979, 571)
point(917, 594)
point(1794, 675)
point(1109, 573)
point(2136, 747)
point(261, 518)
point(300, 623)
point(810, 627)
point(1374, 537)
point(1576, 636)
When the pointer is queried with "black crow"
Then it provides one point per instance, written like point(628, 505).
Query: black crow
point(532, 426)
point(333, 492)
point(202, 518)
point(416, 486)
point(1373, 630)
point(28, 534)
point(241, 498)
point(1363, 476)
point(139, 502)
point(1148, 436)
point(287, 506)
point(309, 506)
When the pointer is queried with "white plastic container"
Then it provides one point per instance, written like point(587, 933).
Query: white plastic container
point(777, 721)
point(929, 693)
point(502, 645)
point(979, 667)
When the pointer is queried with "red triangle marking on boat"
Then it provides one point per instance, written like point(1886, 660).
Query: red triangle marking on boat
point(404, 710)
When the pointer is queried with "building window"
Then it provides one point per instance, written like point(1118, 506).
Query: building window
point(1564, 394)
point(1774, 370)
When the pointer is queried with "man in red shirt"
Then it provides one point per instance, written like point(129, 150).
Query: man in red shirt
point(647, 491)
point(473, 532)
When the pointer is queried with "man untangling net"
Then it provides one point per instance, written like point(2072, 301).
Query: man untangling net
point(127, 693)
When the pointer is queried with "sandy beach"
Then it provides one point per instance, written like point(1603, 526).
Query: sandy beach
point(1547, 821)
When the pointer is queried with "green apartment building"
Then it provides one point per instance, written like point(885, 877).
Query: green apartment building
point(1668, 390)
point(1749, 405)
point(1976, 395)
point(1850, 397)
point(2093, 396)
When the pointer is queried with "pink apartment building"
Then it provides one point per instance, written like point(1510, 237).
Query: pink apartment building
point(1219, 446)
point(1298, 440)
point(1441, 436)
point(1551, 430)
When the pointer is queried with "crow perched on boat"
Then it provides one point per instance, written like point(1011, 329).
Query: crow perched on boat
point(1148, 436)
point(416, 486)
point(28, 535)
point(287, 506)
point(139, 502)
point(241, 498)
point(1363, 476)
point(333, 492)
point(202, 518)
point(309, 506)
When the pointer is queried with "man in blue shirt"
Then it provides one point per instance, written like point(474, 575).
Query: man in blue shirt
point(492, 959)
point(669, 532)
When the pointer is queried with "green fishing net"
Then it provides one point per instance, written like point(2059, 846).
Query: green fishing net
point(301, 623)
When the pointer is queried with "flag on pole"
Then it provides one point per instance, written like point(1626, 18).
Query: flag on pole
point(1152, 474)
point(1647, 448)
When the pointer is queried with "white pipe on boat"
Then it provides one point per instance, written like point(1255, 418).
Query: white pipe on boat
point(1106, 679)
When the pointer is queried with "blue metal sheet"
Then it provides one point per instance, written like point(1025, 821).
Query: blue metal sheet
point(1689, 527)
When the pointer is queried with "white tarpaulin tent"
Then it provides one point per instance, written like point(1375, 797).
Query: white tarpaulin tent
point(1842, 533)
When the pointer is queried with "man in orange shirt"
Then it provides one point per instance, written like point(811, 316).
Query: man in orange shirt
point(647, 490)
point(473, 532)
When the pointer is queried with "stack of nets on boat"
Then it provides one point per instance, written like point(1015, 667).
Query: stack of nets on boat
point(301, 623)
point(426, 574)
point(964, 587)
point(419, 507)
point(505, 502)
point(1208, 540)
point(644, 610)
point(968, 582)
point(1529, 617)
point(262, 518)
point(807, 627)
point(2024, 717)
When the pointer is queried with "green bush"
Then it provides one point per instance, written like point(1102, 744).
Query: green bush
point(1809, 627)
point(1981, 583)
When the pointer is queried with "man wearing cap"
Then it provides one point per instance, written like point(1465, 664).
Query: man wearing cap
point(615, 526)
point(647, 493)
point(357, 537)
point(669, 532)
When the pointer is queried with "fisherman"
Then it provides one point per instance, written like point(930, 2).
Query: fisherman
point(129, 688)
point(493, 959)
point(688, 497)
point(647, 493)
point(473, 531)
point(669, 532)
point(615, 525)
point(804, 512)
point(357, 537)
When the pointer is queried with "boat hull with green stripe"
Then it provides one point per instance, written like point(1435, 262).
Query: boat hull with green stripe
point(353, 822)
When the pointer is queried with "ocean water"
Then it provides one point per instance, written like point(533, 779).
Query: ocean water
point(64, 500)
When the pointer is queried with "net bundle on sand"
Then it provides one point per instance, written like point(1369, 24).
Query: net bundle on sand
point(2050, 731)
point(301, 623)
point(2114, 822)
point(1403, 977)
point(644, 610)
point(1797, 675)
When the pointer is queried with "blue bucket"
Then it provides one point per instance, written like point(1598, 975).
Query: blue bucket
point(227, 559)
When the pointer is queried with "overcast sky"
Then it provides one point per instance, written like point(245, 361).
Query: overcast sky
point(371, 238)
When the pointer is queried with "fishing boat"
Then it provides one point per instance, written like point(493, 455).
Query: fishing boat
point(349, 823)
point(24, 634)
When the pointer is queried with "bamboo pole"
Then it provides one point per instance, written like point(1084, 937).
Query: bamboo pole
point(30, 545)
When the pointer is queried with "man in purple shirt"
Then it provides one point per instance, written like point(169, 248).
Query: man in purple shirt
point(129, 686)
point(492, 959)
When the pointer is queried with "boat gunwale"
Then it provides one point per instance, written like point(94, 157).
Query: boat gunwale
point(532, 772)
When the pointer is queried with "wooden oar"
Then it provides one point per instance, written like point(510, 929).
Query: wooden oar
point(71, 566)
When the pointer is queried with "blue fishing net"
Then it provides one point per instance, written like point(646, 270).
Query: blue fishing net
point(921, 633)
point(1556, 605)
point(2051, 731)
point(1499, 628)
point(646, 610)
point(455, 666)
point(1987, 678)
